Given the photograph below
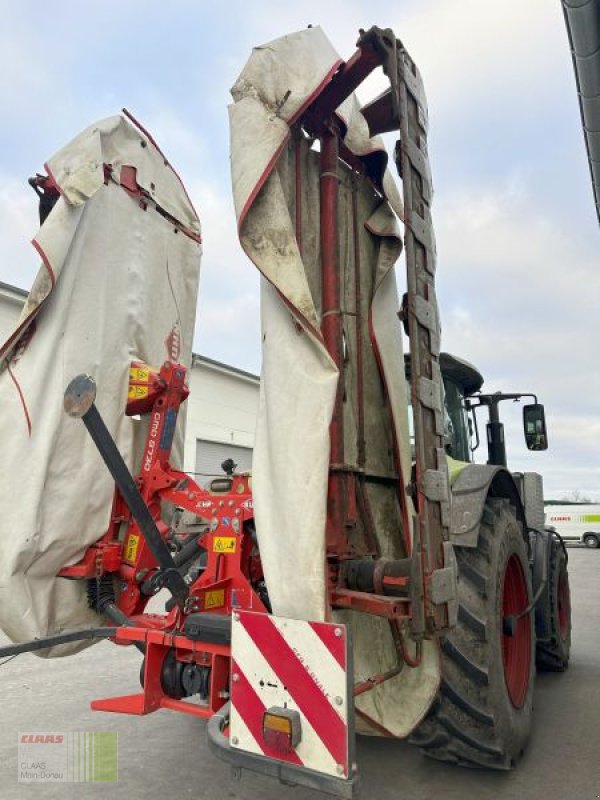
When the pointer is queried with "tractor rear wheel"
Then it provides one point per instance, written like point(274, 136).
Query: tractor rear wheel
point(553, 655)
point(482, 715)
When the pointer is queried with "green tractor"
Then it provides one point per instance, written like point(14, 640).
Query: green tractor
point(506, 561)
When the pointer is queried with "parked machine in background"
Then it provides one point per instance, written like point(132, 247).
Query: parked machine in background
point(575, 522)
point(413, 560)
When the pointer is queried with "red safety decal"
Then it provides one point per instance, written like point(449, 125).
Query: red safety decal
point(302, 666)
point(334, 643)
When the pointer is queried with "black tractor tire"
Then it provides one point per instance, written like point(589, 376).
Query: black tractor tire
point(591, 540)
point(473, 722)
point(553, 655)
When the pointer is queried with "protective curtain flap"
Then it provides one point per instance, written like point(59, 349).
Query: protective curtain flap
point(272, 172)
point(118, 282)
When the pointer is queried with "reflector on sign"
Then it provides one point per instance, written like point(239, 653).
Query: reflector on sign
point(282, 728)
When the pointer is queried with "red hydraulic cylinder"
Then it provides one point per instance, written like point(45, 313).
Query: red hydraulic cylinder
point(332, 330)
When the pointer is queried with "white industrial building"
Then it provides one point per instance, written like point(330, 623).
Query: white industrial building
point(222, 405)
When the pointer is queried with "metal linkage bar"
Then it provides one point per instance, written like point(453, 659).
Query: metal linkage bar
point(79, 402)
point(368, 56)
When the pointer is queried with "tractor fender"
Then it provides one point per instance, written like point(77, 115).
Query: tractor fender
point(470, 490)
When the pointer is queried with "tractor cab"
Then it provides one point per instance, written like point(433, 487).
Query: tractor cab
point(462, 384)
point(460, 380)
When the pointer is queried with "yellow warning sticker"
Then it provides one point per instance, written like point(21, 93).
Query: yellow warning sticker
point(224, 544)
point(135, 392)
point(214, 599)
point(138, 374)
point(131, 547)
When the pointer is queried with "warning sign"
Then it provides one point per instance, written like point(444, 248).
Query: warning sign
point(224, 544)
point(131, 547)
point(214, 599)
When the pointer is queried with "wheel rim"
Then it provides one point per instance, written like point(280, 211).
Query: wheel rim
point(563, 605)
point(516, 650)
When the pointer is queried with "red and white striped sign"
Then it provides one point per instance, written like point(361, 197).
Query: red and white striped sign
point(297, 665)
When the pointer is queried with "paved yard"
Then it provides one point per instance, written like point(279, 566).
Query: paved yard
point(165, 754)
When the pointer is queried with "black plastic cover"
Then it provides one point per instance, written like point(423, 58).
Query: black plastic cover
point(210, 628)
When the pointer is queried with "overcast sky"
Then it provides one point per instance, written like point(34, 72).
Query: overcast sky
point(517, 236)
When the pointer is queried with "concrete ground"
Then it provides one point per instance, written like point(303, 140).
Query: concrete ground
point(165, 755)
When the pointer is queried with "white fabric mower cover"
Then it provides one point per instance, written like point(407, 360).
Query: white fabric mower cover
point(118, 277)
point(299, 379)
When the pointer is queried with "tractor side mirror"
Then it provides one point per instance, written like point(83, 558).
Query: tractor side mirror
point(534, 425)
